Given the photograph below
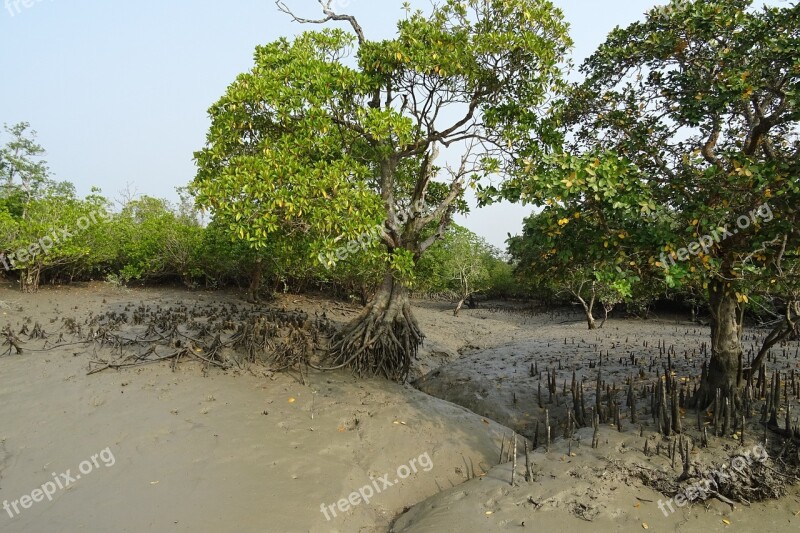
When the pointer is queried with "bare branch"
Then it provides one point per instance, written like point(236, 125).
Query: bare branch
point(763, 248)
point(456, 189)
point(444, 211)
point(439, 233)
point(329, 16)
point(420, 146)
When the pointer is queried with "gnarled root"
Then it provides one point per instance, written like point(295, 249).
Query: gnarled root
point(382, 339)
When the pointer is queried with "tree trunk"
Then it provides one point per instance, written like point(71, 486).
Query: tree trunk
point(590, 319)
point(606, 309)
point(465, 293)
point(458, 307)
point(383, 338)
point(588, 310)
point(724, 369)
point(256, 276)
point(29, 279)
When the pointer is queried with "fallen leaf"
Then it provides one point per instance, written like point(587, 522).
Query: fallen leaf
point(488, 513)
point(645, 526)
point(726, 521)
point(637, 505)
point(155, 482)
point(292, 400)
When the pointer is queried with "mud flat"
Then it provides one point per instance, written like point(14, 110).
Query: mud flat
point(184, 447)
point(574, 487)
point(216, 450)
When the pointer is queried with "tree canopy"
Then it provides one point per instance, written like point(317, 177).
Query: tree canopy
point(692, 115)
point(331, 133)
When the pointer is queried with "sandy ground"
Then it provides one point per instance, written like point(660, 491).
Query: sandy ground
point(227, 452)
point(594, 490)
point(163, 451)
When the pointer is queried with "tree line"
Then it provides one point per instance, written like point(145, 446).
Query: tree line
point(669, 169)
point(49, 235)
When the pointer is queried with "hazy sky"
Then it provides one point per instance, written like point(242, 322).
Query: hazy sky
point(118, 91)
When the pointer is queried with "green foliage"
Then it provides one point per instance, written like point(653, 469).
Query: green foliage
point(331, 132)
point(150, 240)
point(23, 173)
point(702, 97)
point(502, 283)
point(274, 170)
point(685, 122)
point(45, 228)
point(75, 228)
point(463, 264)
point(358, 275)
point(568, 247)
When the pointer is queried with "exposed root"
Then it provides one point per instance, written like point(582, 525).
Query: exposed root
point(382, 341)
point(740, 481)
point(12, 341)
point(223, 336)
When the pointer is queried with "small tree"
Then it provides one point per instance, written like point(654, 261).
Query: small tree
point(333, 130)
point(53, 235)
point(567, 250)
point(155, 242)
point(700, 100)
point(23, 173)
point(459, 263)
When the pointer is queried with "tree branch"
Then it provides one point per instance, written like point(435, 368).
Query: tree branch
point(785, 328)
point(456, 188)
point(329, 16)
point(711, 144)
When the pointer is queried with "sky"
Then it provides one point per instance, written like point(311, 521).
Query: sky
point(119, 91)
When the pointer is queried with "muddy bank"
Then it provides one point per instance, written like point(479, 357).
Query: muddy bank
point(193, 447)
point(611, 487)
point(215, 450)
